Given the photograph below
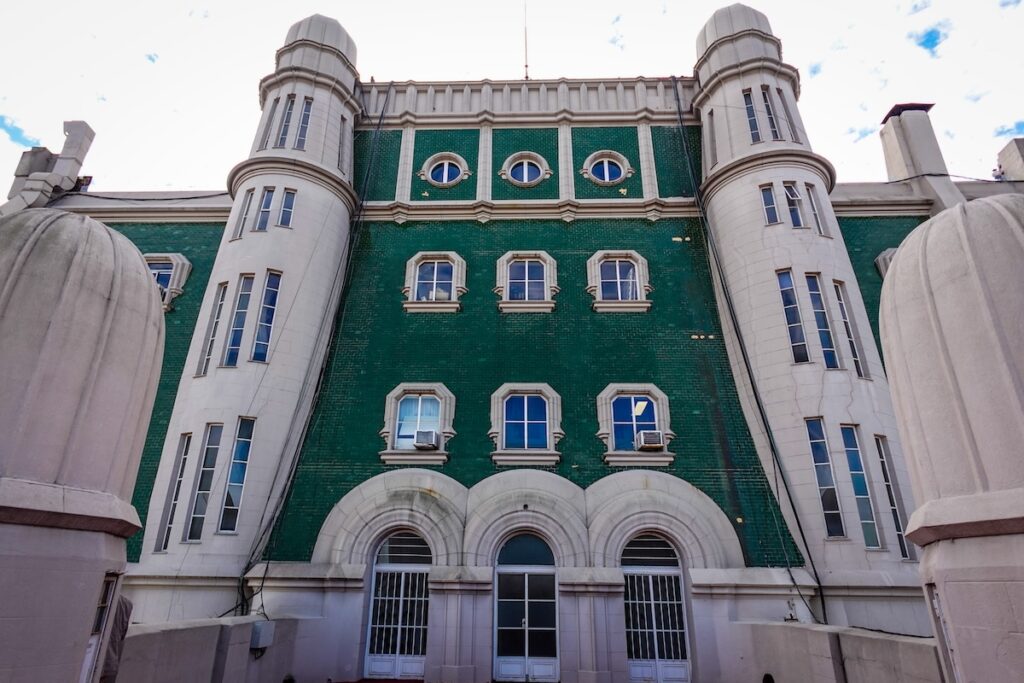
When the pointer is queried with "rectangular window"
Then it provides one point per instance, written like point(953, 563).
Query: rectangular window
point(825, 477)
point(265, 138)
point(892, 492)
point(286, 121)
point(771, 213)
point(790, 123)
point(265, 325)
point(848, 328)
point(105, 603)
point(287, 208)
point(341, 144)
point(526, 422)
point(814, 210)
point(820, 310)
point(184, 443)
point(263, 217)
point(236, 474)
point(861, 492)
point(791, 309)
point(234, 340)
point(243, 217)
point(204, 482)
point(712, 142)
point(770, 111)
point(300, 138)
point(211, 328)
point(793, 202)
point(748, 102)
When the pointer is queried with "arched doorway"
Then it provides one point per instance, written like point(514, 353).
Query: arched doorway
point(396, 642)
point(526, 612)
point(655, 611)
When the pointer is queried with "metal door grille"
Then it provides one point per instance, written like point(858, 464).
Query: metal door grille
point(399, 616)
point(655, 626)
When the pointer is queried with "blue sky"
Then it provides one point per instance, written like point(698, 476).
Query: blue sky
point(171, 88)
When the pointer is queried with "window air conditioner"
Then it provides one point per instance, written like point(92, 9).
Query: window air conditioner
point(650, 440)
point(426, 440)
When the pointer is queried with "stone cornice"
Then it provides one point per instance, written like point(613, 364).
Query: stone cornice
point(733, 37)
point(566, 210)
point(991, 513)
point(34, 503)
point(269, 82)
point(294, 167)
point(769, 158)
point(740, 68)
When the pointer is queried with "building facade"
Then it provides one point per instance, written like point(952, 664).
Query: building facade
point(532, 380)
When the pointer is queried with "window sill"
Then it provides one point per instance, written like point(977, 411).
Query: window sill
point(225, 533)
point(545, 306)
point(431, 306)
point(637, 458)
point(638, 306)
point(423, 457)
point(529, 458)
point(837, 539)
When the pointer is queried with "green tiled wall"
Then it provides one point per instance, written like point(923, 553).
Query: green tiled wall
point(507, 141)
point(199, 243)
point(575, 350)
point(462, 141)
point(674, 179)
point(865, 239)
point(380, 185)
point(586, 141)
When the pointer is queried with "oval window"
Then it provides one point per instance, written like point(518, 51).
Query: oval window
point(525, 171)
point(445, 172)
point(606, 170)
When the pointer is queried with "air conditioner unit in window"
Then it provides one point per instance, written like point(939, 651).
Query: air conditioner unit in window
point(650, 440)
point(427, 440)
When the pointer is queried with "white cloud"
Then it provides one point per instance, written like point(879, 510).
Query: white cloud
point(184, 121)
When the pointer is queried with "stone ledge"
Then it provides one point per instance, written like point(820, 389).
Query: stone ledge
point(991, 513)
point(34, 503)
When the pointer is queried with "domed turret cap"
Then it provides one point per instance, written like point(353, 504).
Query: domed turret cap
point(325, 31)
point(952, 321)
point(81, 343)
point(729, 20)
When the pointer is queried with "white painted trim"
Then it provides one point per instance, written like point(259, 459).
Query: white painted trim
point(458, 283)
point(648, 171)
point(525, 456)
point(440, 157)
point(662, 416)
point(643, 277)
point(610, 155)
point(446, 418)
point(180, 269)
point(403, 186)
point(545, 305)
point(541, 162)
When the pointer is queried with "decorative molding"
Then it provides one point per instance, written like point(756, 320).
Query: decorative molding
point(643, 277)
point(541, 162)
point(566, 210)
point(610, 155)
point(662, 416)
point(180, 269)
point(458, 283)
point(446, 418)
point(769, 159)
point(450, 157)
point(546, 305)
point(525, 456)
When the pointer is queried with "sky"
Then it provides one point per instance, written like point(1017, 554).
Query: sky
point(171, 87)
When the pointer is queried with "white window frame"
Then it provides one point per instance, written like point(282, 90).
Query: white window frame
point(180, 269)
point(174, 492)
point(458, 283)
point(772, 207)
point(520, 157)
point(282, 220)
point(832, 475)
point(607, 155)
point(605, 431)
point(243, 216)
point(819, 224)
point(303, 130)
point(445, 157)
point(546, 305)
point(793, 204)
point(260, 314)
point(850, 328)
point(269, 126)
point(790, 122)
point(884, 260)
point(534, 457)
point(202, 467)
point(872, 519)
point(823, 324)
point(262, 221)
point(286, 121)
point(231, 468)
point(643, 276)
point(211, 329)
point(773, 125)
point(748, 105)
point(446, 418)
point(895, 497)
point(235, 310)
point(800, 318)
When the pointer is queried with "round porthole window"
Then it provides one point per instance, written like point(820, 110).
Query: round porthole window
point(606, 168)
point(525, 169)
point(444, 169)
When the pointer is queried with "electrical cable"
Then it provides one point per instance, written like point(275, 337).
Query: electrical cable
point(715, 261)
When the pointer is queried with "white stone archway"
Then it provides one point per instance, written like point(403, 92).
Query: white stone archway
point(526, 500)
point(624, 504)
point(428, 502)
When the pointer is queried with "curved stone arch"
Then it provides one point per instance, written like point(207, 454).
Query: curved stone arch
point(427, 502)
point(526, 500)
point(625, 504)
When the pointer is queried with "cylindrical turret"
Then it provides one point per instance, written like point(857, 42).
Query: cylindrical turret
point(263, 328)
point(798, 308)
point(82, 330)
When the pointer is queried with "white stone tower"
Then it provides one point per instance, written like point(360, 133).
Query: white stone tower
point(802, 321)
point(262, 332)
point(83, 334)
point(951, 326)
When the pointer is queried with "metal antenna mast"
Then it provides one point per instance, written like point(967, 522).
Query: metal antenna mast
point(526, 45)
